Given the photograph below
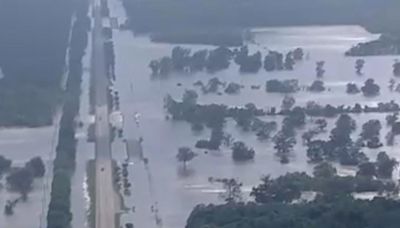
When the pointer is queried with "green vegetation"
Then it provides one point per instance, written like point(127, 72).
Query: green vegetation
point(59, 213)
point(5, 164)
point(285, 86)
point(36, 166)
point(240, 152)
point(385, 45)
point(279, 203)
point(32, 59)
point(185, 154)
point(317, 86)
point(153, 15)
point(352, 88)
point(21, 180)
point(232, 189)
point(370, 88)
point(182, 61)
point(343, 212)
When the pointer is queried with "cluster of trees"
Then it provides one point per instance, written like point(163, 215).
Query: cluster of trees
point(320, 127)
point(370, 88)
point(340, 146)
point(233, 88)
point(181, 60)
point(314, 109)
point(344, 211)
point(285, 140)
point(276, 61)
point(385, 45)
point(248, 121)
point(20, 179)
point(212, 115)
point(326, 183)
point(382, 168)
point(352, 88)
point(248, 63)
point(241, 152)
point(32, 59)
point(285, 86)
point(371, 133)
point(232, 189)
point(279, 202)
point(59, 211)
point(317, 86)
point(213, 86)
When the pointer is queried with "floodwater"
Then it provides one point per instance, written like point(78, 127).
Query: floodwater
point(20, 145)
point(162, 183)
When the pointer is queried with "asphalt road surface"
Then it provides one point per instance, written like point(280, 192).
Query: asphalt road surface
point(105, 195)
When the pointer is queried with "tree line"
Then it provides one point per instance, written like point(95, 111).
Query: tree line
point(220, 58)
point(59, 213)
point(279, 202)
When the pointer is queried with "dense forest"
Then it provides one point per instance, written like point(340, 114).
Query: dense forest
point(342, 212)
point(33, 42)
point(155, 15)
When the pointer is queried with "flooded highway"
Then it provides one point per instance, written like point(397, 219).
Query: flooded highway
point(163, 194)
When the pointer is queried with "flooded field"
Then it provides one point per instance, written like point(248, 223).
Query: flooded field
point(20, 145)
point(162, 182)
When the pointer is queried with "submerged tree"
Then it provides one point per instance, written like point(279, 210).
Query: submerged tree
point(240, 152)
point(352, 88)
point(317, 86)
point(359, 66)
point(185, 154)
point(396, 68)
point(21, 180)
point(298, 54)
point(370, 88)
point(385, 165)
point(289, 61)
point(320, 69)
point(232, 189)
point(324, 170)
point(371, 133)
point(5, 164)
point(287, 102)
point(36, 165)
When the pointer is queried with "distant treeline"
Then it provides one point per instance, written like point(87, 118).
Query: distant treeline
point(33, 43)
point(156, 16)
point(385, 45)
